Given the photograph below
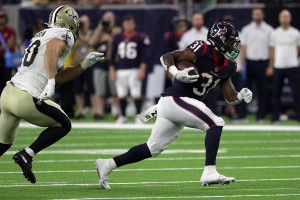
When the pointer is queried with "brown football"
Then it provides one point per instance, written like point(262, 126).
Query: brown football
point(181, 65)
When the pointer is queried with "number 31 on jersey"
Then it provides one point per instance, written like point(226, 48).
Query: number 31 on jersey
point(206, 86)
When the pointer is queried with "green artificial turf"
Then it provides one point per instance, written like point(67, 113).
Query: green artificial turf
point(266, 165)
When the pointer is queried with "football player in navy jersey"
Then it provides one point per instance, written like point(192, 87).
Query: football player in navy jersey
point(181, 104)
point(129, 49)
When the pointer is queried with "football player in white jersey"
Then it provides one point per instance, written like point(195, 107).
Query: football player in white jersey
point(27, 95)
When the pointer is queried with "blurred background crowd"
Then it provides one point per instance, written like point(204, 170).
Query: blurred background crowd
point(134, 36)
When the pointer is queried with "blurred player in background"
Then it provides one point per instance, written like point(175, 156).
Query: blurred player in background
point(181, 104)
point(85, 81)
point(255, 51)
point(128, 65)
point(285, 48)
point(27, 95)
point(9, 35)
point(101, 40)
point(197, 32)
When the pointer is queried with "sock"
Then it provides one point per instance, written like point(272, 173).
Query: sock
point(48, 137)
point(210, 169)
point(4, 148)
point(30, 152)
point(123, 104)
point(138, 105)
point(212, 141)
point(133, 155)
point(111, 164)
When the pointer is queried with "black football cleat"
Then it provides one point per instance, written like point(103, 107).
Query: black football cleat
point(25, 162)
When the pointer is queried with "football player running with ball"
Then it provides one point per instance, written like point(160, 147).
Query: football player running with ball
point(27, 95)
point(181, 104)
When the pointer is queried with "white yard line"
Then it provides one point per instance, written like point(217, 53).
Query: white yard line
point(200, 142)
point(171, 151)
point(162, 159)
point(149, 126)
point(115, 151)
point(158, 169)
point(142, 183)
point(190, 197)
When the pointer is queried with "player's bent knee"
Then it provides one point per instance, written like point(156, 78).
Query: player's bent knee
point(155, 149)
point(67, 127)
point(219, 121)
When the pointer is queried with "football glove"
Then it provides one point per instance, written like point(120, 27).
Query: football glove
point(183, 75)
point(48, 91)
point(91, 59)
point(245, 94)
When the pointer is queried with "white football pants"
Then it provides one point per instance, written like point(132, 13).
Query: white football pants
point(173, 113)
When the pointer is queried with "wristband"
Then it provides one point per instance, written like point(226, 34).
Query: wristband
point(173, 70)
point(51, 81)
point(239, 96)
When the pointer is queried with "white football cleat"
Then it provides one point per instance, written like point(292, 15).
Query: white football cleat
point(103, 170)
point(215, 178)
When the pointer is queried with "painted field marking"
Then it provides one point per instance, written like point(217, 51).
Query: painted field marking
point(150, 126)
point(142, 183)
point(190, 197)
point(86, 144)
point(171, 151)
point(146, 183)
point(158, 169)
point(114, 151)
point(163, 159)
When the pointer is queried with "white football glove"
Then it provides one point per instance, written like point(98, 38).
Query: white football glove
point(245, 94)
point(48, 91)
point(183, 75)
point(91, 59)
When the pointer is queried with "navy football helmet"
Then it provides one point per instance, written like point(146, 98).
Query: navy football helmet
point(225, 38)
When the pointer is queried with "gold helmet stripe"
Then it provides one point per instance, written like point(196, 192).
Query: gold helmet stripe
point(55, 13)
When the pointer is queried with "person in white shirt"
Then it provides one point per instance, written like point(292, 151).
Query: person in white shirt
point(255, 51)
point(197, 32)
point(284, 48)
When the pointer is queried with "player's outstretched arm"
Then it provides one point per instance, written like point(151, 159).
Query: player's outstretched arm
point(168, 61)
point(231, 96)
point(69, 73)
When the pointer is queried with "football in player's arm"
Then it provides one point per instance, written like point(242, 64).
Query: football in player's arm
point(231, 96)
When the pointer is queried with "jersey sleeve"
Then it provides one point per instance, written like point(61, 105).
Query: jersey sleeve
point(64, 35)
point(235, 67)
point(199, 47)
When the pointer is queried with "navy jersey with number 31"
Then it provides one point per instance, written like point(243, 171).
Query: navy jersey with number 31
point(210, 71)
